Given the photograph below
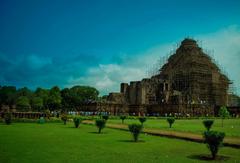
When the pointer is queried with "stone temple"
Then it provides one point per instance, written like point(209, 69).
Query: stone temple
point(188, 83)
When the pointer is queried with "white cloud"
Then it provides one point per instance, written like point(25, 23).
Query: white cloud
point(107, 77)
point(104, 83)
point(225, 44)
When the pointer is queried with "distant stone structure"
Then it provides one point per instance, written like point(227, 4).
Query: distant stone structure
point(189, 83)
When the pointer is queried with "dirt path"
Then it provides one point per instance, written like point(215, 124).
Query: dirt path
point(232, 142)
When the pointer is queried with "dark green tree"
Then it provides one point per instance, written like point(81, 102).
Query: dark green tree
point(37, 103)
point(135, 130)
point(223, 113)
point(23, 103)
point(44, 94)
point(83, 94)
point(54, 99)
point(25, 92)
point(77, 96)
point(67, 102)
point(8, 95)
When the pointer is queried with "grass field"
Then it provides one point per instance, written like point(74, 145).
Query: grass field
point(55, 142)
point(231, 126)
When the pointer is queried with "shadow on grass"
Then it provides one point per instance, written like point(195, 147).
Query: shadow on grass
point(208, 158)
point(92, 132)
point(131, 141)
point(72, 127)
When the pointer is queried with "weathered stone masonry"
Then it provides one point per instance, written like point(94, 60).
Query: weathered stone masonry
point(189, 83)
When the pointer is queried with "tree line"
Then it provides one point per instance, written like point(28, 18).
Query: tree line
point(51, 99)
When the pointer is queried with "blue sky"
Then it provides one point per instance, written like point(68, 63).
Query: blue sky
point(103, 43)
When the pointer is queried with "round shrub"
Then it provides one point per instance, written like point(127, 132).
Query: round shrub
point(208, 123)
point(64, 118)
point(105, 117)
point(214, 140)
point(100, 123)
point(170, 121)
point(76, 121)
point(123, 117)
point(142, 119)
point(8, 118)
point(41, 120)
point(135, 130)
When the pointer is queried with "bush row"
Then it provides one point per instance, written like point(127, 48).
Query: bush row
point(213, 139)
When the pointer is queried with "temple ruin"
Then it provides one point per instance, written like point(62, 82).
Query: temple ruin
point(188, 83)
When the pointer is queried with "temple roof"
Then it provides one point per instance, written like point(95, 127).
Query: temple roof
point(187, 42)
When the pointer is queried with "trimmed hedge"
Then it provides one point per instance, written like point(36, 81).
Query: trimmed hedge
point(214, 140)
point(77, 121)
point(170, 121)
point(208, 123)
point(135, 130)
point(100, 123)
point(142, 120)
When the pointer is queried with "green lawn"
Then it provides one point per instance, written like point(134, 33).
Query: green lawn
point(54, 142)
point(231, 126)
